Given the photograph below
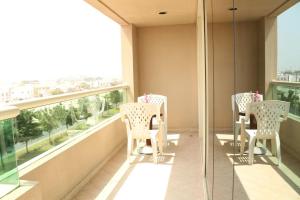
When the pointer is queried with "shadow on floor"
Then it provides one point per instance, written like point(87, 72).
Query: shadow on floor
point(289, 169)
point(263, 165)
point(227, 185)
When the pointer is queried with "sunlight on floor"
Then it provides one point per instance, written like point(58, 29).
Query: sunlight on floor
point(176, 176)
point(151, 187)
point(264, 179)
point(113, 182)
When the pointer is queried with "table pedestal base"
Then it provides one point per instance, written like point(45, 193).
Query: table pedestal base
point(258, 151)
point(146, 150)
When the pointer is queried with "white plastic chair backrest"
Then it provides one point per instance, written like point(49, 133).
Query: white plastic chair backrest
point(139, 116)
point(156, 99)
point(268, 116)
point(242, 99)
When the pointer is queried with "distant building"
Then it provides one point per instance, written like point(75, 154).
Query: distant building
point(290, 76)
point(32, 89)
point(22, 92)
point(4, 94)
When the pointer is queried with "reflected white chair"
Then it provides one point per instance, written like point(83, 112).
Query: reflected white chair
point(137, 117)
point(162, 102)
point(241, 100)
point(268, 115)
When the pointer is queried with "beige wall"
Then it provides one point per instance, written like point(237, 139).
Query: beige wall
point(270, 48)
point(167, 65)
point(267, 54)
point(66, 168)
point(228, 80)
point(261, 56)
point(201, 72)
point(129, 60)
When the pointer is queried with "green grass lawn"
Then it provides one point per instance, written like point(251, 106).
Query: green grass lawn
point(40, 147)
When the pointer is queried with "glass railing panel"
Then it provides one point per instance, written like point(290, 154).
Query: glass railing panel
point(289, 93)
point(43, 128)
point(9, 177)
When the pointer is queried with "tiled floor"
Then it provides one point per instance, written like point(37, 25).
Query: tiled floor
point(262, 180)
point(177, 176)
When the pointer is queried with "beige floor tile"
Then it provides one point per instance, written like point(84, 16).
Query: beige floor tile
point(176, 176)
point(260, 181)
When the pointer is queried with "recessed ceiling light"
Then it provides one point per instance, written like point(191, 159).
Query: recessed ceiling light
point(232, 9)
point(162, 12)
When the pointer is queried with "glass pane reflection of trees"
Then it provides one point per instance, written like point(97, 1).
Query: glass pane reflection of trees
point(40, 129)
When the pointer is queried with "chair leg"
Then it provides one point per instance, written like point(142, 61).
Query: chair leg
point(278, 149)
point(236, 134)
point(129, 148)
point(161, 145)
point(265, 143)
point(251, 150)
point(242, 147)
point(165, 137)
point(154, 147)
point(273, 146)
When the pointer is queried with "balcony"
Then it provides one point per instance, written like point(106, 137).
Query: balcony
point(91, 163)
point(164, 54)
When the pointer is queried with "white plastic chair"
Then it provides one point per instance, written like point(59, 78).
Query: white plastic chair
point(162, 102)
point(241, 100)
point(137, 117)
point(268, 115)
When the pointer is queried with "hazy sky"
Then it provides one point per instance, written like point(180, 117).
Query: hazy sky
point(42, 39)
point(289, 39)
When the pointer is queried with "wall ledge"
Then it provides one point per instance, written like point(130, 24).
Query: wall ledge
point(26, 190)
point(79, 187)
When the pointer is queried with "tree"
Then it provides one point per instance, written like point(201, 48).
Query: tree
point(60, 113)
point(84, 104)
point(115, 97)
point(99, 103)
point(292, 98)
point(47, 121)
point(107, 102)
point(28, 127)
point(72, 116)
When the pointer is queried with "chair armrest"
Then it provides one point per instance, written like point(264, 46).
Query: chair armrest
point(128, 127)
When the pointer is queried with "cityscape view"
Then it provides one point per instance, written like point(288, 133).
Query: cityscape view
point(54, 55)
point(290, 76)
point(43, 61)
point(288, 51)
point(28, 89)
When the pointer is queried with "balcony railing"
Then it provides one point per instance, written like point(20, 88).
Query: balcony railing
point(32, 129)
point(45, 124)
point(9, 178)
point(288, 91)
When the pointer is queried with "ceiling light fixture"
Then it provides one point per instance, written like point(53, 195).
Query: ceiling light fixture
point(162, 12)
point(232, 9)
